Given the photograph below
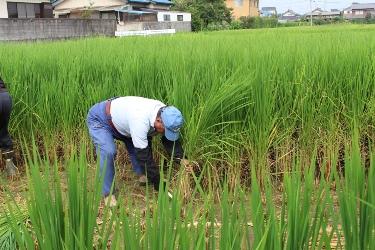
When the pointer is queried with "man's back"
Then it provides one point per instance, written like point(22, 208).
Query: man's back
point(133, 116)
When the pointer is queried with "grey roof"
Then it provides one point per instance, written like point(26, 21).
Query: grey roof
point(324, 13)
point(56, 2)
point(167, 2)
point(291, 12)
point(320, 12)
point(361, 6)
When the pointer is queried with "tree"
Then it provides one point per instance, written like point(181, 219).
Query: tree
point(86, 14)
point(204, 12)
point(368, 17)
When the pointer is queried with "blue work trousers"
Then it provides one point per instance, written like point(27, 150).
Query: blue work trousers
point(103, 137)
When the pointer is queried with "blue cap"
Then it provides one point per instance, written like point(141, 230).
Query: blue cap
point(172, 121)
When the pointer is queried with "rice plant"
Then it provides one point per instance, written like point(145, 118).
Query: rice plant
point(243, 93)
point(269, 121)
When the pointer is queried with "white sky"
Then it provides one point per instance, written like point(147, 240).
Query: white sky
point(303, 6)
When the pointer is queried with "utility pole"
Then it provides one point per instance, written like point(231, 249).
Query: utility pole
point(311, 22)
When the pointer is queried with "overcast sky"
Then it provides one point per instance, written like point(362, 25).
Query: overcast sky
point(303, 6)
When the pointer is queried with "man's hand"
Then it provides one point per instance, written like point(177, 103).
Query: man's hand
point(185, 162)
point(187, 165)
point(110, 201)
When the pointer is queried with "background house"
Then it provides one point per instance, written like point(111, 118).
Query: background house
point(25, 9)
point(105, 9)
point(318, 13)
point(131, 15)
point(242, 8)
point(289, 16)
point(360, 11)
point(268, 12)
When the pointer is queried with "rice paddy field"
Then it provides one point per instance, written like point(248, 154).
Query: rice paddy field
point(279, 129)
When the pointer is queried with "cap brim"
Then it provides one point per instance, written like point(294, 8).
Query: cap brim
point(171, 135)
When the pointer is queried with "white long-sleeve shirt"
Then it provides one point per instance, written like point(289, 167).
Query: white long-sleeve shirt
point(134, 117)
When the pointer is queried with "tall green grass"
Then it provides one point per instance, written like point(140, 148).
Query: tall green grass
point(258, 105)
point(62, 211)
point(243, 93)
point(305, 217)
point(356, 202)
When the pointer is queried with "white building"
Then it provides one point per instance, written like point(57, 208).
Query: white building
point(173, 16)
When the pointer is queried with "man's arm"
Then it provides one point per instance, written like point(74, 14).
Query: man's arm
point(174, 149)
point(143, 151)
point(145, 159)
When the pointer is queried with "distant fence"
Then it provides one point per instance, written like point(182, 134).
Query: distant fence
point(52, 28)
point(133, 26)
point(145, 32)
